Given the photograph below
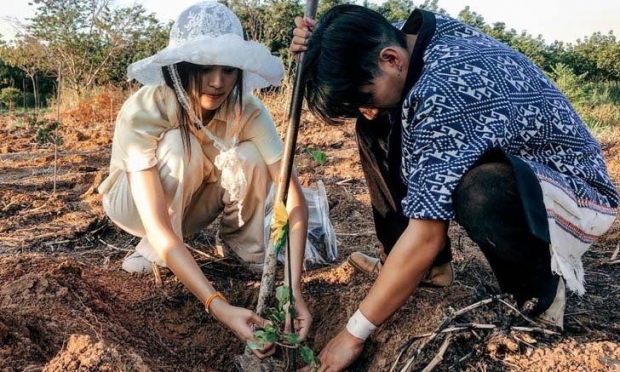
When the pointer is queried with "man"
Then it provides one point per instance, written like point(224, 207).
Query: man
point(456, 125)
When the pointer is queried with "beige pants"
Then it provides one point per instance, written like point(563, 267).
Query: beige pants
point(194, 204)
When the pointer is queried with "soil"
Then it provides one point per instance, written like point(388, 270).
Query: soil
point(66, 304)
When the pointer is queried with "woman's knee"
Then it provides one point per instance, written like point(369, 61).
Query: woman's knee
point(251, 158)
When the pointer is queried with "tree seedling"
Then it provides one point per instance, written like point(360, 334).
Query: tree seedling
point(273, 332)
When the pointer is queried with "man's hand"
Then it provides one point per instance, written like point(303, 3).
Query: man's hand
point(340, 352)
point(241, 321)
point(301, 35)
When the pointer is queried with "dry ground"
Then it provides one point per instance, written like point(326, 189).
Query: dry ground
point(66, 305)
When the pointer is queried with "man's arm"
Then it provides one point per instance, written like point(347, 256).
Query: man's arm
point(404, 268)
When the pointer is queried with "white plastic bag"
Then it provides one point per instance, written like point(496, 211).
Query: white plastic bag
point(321, 246)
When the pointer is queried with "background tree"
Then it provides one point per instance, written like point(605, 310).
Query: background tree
point(9, 96)
point(29, 55)
point(86, 36)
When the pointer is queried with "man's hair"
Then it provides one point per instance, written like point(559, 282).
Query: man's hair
point(342, 56)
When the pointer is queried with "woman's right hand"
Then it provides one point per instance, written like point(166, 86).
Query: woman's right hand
point(241, 321)
point(301, 35)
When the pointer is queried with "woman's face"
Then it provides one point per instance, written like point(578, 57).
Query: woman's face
point(217, 83)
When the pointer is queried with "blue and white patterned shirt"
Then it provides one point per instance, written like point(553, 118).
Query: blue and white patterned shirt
point(474, 94)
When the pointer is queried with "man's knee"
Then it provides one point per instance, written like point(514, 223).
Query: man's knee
point(484, 191)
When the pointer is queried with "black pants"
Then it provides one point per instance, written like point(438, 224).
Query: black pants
point(487, 204)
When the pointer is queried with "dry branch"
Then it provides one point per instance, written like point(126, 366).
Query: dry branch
point(614, 256)
point(439, 357)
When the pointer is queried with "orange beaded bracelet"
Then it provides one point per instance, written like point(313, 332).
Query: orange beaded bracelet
point(212, 297)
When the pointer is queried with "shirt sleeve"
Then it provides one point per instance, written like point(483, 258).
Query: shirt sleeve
point(258, 127)
point(441, 142)
point(140, 125)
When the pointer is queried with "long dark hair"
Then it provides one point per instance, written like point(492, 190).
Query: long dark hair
point(191, 80)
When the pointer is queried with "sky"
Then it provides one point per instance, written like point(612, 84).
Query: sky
point(564, 20)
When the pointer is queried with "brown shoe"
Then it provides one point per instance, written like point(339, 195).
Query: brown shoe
point(364, 263)
point(439, 276)
point(554, 315)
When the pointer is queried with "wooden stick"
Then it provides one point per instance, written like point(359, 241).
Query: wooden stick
point(518, 312)
point(113, 247)
point(439, 357)
point(535, 329)
point(201, 252)
point(458, 327)
point(614, 256)
point(156, 274)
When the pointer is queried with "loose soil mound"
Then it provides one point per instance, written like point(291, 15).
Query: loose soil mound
point(65, 304)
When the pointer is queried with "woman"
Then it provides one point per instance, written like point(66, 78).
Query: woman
point(193, 144)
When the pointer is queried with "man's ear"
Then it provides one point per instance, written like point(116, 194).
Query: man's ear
point(390, 56)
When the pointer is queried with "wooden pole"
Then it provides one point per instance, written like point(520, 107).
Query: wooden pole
point(268, 278)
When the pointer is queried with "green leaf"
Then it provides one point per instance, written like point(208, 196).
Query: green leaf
point(265, 337)
point(319, 156)
point(292, 338)
point(276, 315)
point(282, 295)
point(271, 328)
point(307, 354)
point(253, 345)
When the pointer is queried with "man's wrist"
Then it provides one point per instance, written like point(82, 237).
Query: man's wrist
point(359, 326)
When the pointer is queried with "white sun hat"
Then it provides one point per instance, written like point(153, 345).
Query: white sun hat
point(208, 33)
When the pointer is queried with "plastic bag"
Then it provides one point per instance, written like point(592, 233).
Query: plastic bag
point(321, 246)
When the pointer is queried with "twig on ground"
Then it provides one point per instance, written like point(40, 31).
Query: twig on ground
point(517, 310)
point(472, 306)
point(113, 247)
point(98, 229)
point(439, 357)
point(345, 181)
point(444, 324)
point(458, 327)
point(156, 274)
point(361, 233)
point(535, 329)
point(403, 348)
point(205, 254)
point(58, 242)
point(614, 256)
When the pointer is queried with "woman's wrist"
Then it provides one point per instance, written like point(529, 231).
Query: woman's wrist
point(217, 309)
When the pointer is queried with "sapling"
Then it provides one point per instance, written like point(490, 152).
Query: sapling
point(274, 331)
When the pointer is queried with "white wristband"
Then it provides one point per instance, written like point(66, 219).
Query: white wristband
point(359, 326)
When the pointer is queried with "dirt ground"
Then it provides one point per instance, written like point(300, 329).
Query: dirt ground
point(66, 305)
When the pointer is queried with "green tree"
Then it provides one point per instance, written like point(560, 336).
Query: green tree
point(394, 10)
point(29, 55)
point(9, 96)
point(472, 18)
point(86, 36)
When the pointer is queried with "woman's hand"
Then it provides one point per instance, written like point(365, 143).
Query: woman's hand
point(303, 319)
point(301, 34)
point(241, 321)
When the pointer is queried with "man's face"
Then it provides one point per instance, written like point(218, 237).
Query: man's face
point(385, 90)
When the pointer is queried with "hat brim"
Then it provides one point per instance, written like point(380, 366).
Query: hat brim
point(260, 68)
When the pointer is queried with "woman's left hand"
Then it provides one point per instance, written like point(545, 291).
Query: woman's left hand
point(303, 319)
